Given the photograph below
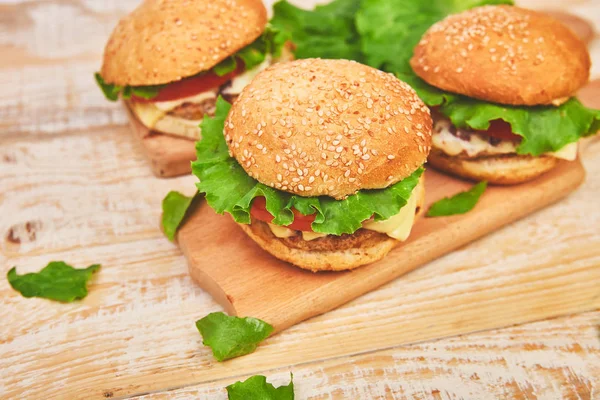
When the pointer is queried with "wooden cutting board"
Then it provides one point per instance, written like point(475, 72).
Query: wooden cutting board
point(247, 281)
point(171, 156)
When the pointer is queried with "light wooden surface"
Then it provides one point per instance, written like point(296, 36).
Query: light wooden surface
point(248, 281)
point(74, 185)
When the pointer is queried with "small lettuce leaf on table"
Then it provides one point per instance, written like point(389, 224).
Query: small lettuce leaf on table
point(328, 31)
point(257, 388)
point(460, 203)
point(57, 281)
point(228, 188)
point(230, 337)
point(175, 206)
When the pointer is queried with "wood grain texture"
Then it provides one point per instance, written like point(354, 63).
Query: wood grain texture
point(534, 361)
point(75, 185)
point(248, 281)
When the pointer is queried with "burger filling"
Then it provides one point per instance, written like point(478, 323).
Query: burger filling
point(175, 105)
point(498, 140)
point(398, 226)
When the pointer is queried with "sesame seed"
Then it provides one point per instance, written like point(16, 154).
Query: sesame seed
point(391, 157)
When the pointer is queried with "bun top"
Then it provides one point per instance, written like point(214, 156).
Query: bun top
point(503, 54)
point(328, 127)
point(163, 41)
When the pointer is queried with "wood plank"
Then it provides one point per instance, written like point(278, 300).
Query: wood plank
point(248, 281)
point(73, 191)
point(554, 359)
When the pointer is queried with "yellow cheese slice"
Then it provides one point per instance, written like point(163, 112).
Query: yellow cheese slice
point(400, 225)
point(147, 113)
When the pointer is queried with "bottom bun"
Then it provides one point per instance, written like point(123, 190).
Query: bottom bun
point(329, 253)
point(509, 169)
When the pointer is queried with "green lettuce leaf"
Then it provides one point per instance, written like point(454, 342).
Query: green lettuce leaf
point(328, 31)
point(390, 29)
point(270, 42)
point(460, 203)
point(543, 128)
point(225, 67)
point(57, 281)
point(111, 92)
point(174, 209)
point(257, 388)
point(229, 189)
point(230, 337)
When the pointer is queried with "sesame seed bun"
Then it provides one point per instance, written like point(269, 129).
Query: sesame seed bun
point(507, 169)
point(330, 253)
point(503, 54)
point(328, 127)
point(165, 41)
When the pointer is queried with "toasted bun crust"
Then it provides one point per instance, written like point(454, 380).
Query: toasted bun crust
point(328, 127)
point(330, 253)
point(503, 54)
point(164, 41)
point(500, 170)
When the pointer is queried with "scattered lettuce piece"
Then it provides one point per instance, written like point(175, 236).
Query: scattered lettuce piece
point(174, 209)
point(460, 203)
point(328, 31)
point(231, 337)
point(57, 281)
point(230, 189)
point(257, 388)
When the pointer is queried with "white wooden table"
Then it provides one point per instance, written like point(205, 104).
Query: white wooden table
point(74, 187)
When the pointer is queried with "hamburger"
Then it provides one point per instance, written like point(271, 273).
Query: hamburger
point(169, 60)
point(504, 83)
point(320, 162)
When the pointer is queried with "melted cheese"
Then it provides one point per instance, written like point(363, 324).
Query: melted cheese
point(167, 106)
point(241, 81)
point(452, 145)
point(147, 113)
point(397, 227)
point(400, 225)
point(283, 232)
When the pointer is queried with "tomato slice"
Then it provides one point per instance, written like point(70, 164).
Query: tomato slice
point(301, 222)
point(501, 129)
point(192, 86)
